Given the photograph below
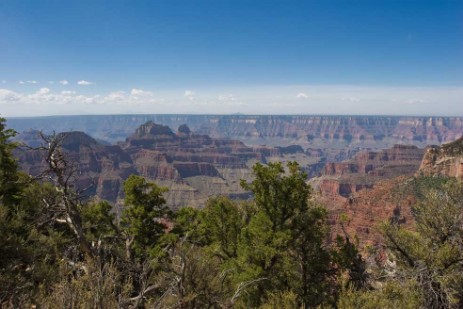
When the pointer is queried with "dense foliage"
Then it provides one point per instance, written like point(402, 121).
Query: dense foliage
point(425, 266)
point(59, 251)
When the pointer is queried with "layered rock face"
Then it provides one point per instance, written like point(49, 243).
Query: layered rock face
point(323, 138)
point(363, 190)
point(270, 130)
point(192, 166)
point(367, 168)
point(446, 160)
point(363, 212)
point(99, 168)
point(195, 166)
point(368, 190)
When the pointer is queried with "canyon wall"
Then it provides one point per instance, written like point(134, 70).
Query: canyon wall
point(192, 166)
point(355, 162)
point(446, 160)
point(367, 168)
point(280, 130)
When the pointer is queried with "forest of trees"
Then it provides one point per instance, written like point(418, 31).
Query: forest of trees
point(60, 250)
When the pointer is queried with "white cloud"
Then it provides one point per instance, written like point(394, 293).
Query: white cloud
point(115, 96)
point(84, 83)
point(21, 82)
point(8, 96)
point(32, 82)
point(63, 82)
point(140, 93)
point(43, 91)
point(227, 98)
point(302, 95)
point(330, 99)
point(350, 99)
point(415, 101)
point(190, 95)
point(45, 101)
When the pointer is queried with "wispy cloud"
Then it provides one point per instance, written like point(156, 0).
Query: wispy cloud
point(139, 93)
point(83, 83)
point(415, 101)
point(63, 82)
point(190, 95)
point(43, 91)
point(350, 99)
point(116, 96)
point(8, 96)
point(302, 95)
point(33, 82)
point(330, 99)
point(227, 98)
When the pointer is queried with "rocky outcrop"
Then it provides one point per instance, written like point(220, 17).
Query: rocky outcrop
point(446, 160)
point(367, 168)
point(386, 199)
point(191, 169)
point(362, 213)
point(184, 129)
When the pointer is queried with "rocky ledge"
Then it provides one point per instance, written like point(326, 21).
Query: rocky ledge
point(446, 160)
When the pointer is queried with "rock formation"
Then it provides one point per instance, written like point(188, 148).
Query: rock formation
point(99, 168)
point(368, 190)
point(192, 166)
point(362, 192)
point(351, 182)
point(373, 131)
point(367, 168)
point(446, 160)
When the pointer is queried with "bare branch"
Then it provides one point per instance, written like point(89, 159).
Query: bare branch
point(241, 288)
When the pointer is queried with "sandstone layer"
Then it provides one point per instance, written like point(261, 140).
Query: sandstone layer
point(192, 166)
point(446, 160)
point(366, 169)
point(279, 130)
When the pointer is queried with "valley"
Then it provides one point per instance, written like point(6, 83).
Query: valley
point(352, 176)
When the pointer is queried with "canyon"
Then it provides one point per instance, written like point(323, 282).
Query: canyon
point(191, 166)
point(376, 187)
point(276, 130)
point(355, 164)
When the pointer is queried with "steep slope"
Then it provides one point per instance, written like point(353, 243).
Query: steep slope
point(362, 213)
point(387, 173)
point(446, 160)
point(363, 192)
point(366, 169)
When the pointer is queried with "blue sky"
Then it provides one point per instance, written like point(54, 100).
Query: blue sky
point(175, 56)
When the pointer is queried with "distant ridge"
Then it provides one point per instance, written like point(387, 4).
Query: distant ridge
point(278, 130)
